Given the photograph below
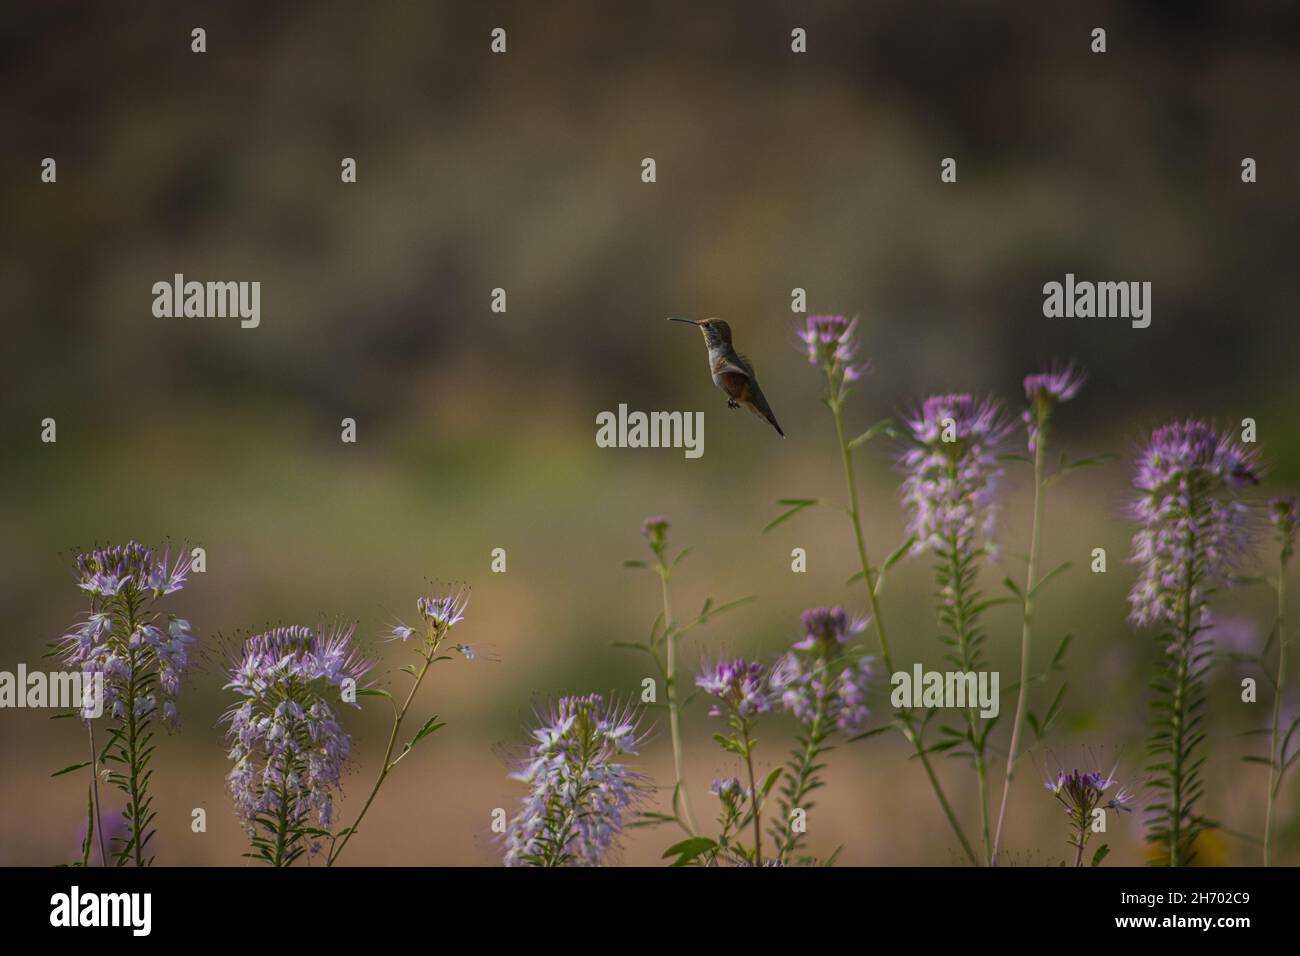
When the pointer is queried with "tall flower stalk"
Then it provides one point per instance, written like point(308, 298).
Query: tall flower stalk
point(951, 469)
point(288, 749)
point(662, 647)
point(1282, 515)
point(1192, 531)
point(743, 691)
point(579, 786)
point(142, 657)
point(1044, 391)
point(830, 346)
point(438, 615)
point(822, 681)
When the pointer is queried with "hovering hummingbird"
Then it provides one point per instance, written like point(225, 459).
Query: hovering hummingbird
point(731, 371)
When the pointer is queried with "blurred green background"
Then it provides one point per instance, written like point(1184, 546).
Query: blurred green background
point(476, 429)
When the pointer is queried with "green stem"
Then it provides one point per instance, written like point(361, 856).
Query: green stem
point(753, 796)
point(1022, 696)
point(94, 790)
point(388, 763)
point(282, 822)
point(670, 681)
point(878, 621)
point(556, 853)
point(961, 622)
point(135, 783)
point(1178, 712)
point(1275, 757)
point(803, 779)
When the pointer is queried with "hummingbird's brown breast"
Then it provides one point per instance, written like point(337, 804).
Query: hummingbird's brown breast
point(731, 382)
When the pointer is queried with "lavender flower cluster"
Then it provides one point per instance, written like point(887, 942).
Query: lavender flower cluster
point(287, 747)
point(1046, 390)
point(821, 679)
point(1082, 792)
point(579, 786)
point(123, 637)
point(951, 471)
point(741, 687)
point(1193, 529)
point(829, 344)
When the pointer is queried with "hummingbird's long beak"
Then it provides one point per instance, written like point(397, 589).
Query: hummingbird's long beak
point(674, 318)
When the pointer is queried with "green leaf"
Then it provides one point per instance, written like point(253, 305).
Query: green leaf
point(885, 426)
point(1072, 466)
point(373, 692)
point(90, 825)
point(689, 850)
point(711, 612)
point(730, 744)
point(1054, 711)
point(796, 505)
point(1059, 656)
point(899, 553)
point(633, 646)
point(634, 564)
point(1059, 569)
point(868, 733)
point(75, 766)
point(771, 780)
point(429, 727)
point(684, 552)
point(1100, 855)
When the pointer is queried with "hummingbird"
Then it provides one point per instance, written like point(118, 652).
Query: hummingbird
point(731, 371)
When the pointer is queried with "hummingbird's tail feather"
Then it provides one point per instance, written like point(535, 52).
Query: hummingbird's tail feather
point(758, 405)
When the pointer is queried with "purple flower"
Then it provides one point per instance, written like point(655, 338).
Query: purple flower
point(446, 610)
point(1058, 384)
point(654, 529)
point(727, 789)
point(951, 471)
point(440, 613)
point(830, 345)
point(741, 687)
point(1192, 529)
point(828, 627)
point(121, 637)
point(821, 681)
point(1044, 391)
point(578, 785)
point(287, 747)
point(106, 571)
point(1081, 793)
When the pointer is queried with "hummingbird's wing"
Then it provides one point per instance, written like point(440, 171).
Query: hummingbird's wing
point(756, 402)
point(732, 365)
point(738, 379)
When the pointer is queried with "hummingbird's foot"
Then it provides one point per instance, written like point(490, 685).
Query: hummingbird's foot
point(732, 403)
